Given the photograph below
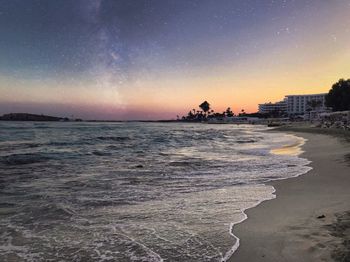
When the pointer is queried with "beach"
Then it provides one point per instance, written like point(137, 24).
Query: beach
point(309, 220)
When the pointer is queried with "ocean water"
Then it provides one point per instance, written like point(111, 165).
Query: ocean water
point(134, 191)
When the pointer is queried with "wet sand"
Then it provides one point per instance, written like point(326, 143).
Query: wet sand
point(310, 219)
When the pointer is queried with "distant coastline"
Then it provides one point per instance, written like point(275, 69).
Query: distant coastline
point(47, 118)
point(33, 117)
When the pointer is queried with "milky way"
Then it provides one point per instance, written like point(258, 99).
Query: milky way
point(117, 54)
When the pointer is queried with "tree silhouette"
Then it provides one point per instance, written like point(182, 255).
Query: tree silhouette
point(190, 115)
point(229, 112)
point(205, 106)
point(313, 104)
point(338, 97)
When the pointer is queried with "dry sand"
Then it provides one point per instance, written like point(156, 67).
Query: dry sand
point(288, 228)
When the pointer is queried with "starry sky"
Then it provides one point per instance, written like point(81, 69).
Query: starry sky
point(155, 59)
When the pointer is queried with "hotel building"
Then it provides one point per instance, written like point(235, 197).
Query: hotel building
point(268, 108)
point(298, 104)
point(295, 105)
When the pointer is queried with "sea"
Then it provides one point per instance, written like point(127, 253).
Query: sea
point(81, 191)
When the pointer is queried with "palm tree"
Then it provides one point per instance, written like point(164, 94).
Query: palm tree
point(211, 113)
point(190, 115)
point(205, 106)
point(229, 112)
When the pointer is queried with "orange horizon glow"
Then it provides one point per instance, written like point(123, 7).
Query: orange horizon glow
point(301, 54)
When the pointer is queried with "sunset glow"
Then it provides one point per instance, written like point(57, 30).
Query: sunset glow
point(92, 60)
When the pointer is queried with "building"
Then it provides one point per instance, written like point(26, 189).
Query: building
point(272, 108)
point(308, 105)
point(301, 104)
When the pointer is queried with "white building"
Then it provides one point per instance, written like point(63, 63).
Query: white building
point(298, 104)
point(268, 108)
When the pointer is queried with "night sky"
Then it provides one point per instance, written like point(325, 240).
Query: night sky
point(152, 59)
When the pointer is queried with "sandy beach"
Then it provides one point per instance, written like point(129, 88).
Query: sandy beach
point(310, 218)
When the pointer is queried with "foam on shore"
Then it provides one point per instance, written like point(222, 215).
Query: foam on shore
point(294, 149)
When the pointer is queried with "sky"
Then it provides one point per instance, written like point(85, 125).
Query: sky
point(155, 59)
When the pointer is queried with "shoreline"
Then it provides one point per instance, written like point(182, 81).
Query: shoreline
point(294, 150)
point(283, 229)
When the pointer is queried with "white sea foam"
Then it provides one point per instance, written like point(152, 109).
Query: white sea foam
point(294, 149)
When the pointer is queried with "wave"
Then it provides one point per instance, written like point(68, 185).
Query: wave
point(137, 174)
point(36, 157)
point(59, 143)
point(12, 146)
point(101, 153)
point(246, 141)
point(24, 159)
point(113, 138)
point(52, 211)
point(197, 163)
